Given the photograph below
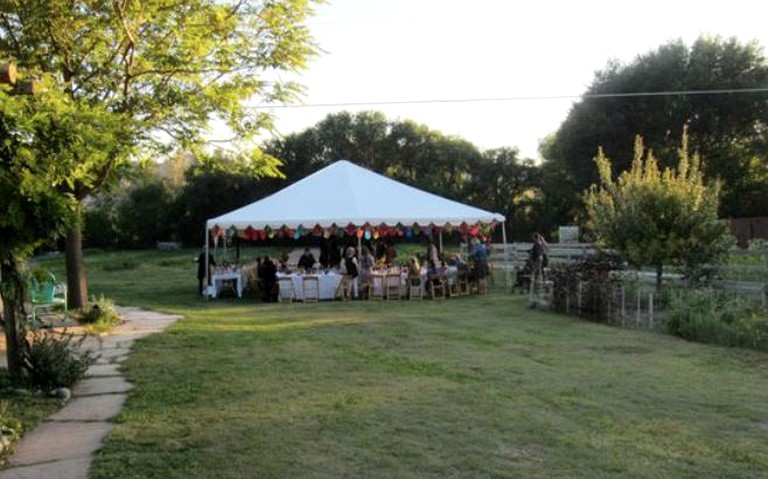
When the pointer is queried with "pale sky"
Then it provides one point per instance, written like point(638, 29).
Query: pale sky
point(421, 50)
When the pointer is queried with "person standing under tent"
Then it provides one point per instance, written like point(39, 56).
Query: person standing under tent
point(433, 254)
point(334, 254)
point(268, 276)
point(479, 256)
point(306, 261)
point(351, 266)
point(201, 272)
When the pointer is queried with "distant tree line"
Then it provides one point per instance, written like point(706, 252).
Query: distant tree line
point(172, 200)
point(728, 130)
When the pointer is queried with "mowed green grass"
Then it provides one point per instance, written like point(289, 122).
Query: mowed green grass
point(468, 387)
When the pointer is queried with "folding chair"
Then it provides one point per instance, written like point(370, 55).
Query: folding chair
point(415, 287)
point(377, 287)
point(311, 289)
point(344, 290)
point(436, 286)
point(285, 290)
point(392, 283)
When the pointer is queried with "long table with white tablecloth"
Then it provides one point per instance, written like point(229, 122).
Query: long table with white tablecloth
point(220, 278)
point(328, 283)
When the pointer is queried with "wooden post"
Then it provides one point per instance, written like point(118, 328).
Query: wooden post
point(7, 73)
point(623, 306)
point(579, 290)
point(650, 310)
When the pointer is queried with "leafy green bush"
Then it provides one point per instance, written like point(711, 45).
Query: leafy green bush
point(717, 318)
point(56, 360)
point(758, 244)
point(100, 314)
point(590, 278)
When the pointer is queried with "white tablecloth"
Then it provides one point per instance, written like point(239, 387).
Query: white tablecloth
point(328, 284)
point(218, 279)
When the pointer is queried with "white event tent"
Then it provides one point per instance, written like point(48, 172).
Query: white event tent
point(344, 194)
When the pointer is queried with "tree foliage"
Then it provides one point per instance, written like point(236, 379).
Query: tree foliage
point(159, 72)
point(727, 129)
point(34, 170)
point(656, 217)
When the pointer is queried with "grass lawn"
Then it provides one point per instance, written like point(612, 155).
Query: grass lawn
point(468, 387)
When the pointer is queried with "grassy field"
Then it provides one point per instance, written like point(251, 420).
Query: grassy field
point(468, 387)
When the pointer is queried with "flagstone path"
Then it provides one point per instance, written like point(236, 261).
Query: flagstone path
point(62, 447)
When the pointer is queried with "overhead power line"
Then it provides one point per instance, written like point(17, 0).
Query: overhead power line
point(723, 91)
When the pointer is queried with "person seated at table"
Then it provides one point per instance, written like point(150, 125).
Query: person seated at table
point(458, 263)
point(414, 269)
point(381, 252)
point(306, 261)
point(390, 254)
point(434, 274)
point(282, 267)
point(268, 277)
point(367, 264)
point(434, 269)
point(480, 256)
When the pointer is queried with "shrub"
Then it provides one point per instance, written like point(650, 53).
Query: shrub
point(56, 360)
point(100, 314)
point(717, 318)
point(10, 427)
point(593, 273)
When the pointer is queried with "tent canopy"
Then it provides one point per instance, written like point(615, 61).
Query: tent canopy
point(344, 193)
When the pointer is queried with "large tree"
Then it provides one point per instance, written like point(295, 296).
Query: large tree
point(163, 69)
point(727, 126)
point(501, 181)
point(656, 217)
point(41, 140)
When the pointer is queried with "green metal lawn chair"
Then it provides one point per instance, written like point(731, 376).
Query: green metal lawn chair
point(47, 296)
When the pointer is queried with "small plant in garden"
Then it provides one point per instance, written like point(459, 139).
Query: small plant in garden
point(10, 431)
point(56, 360)
point(10, 427)
point(758, 244)
point(100, 315)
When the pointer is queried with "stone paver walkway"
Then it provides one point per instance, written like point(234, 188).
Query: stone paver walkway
point(63, 446)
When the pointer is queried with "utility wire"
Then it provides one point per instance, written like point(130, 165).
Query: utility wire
point(723, 91)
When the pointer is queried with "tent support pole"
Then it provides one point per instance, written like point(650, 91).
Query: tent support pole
point(506, 257)
point(207, 266)
point(440, 235)
point(359, 245)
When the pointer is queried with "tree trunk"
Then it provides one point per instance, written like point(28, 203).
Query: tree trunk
point(11, 313)
point(77, 293)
